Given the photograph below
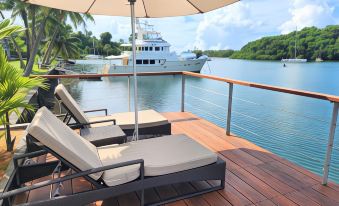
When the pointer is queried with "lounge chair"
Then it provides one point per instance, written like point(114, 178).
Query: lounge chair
point(115, 169)
point(150, 121)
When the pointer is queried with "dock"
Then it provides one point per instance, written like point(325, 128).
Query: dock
point(254, 176)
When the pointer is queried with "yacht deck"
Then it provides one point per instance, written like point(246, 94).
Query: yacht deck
point(254, 176)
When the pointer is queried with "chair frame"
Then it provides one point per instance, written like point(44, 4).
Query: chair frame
point(22, 174)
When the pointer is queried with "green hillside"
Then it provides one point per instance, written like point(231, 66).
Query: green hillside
point(311, 44)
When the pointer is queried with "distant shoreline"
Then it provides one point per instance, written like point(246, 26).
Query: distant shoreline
point(266, 60)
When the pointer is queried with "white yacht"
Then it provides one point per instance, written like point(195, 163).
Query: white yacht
point(153, 55)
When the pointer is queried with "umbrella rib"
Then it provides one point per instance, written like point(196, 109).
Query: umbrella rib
point(195, 6)
point(143, 2)
point(90, 6)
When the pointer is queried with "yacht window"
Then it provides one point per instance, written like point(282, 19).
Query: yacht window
point(162, 48)
point(139, 61)
point(157, 48)
point(146, 48)
point(152, 61)
point(151, 48)
point(145, 61)
point(159, 61)
point(143, 48)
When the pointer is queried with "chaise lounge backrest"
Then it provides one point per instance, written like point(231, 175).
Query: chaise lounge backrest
point(66, 98)
point(53, 133)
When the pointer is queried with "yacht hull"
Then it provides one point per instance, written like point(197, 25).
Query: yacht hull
point(182, 65)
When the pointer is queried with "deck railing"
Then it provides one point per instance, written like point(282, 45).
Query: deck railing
point(231, 82)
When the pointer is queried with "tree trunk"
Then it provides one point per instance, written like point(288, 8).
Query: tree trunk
point(56, 54)
point(30, 63)
point(28, 37)
point(9, 141)
point(17, 48)
point(47, 56)
point(33, 26)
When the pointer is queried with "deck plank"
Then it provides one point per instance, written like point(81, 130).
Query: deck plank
point(249, 192)
point(282, 200)
point(278, 185)
point(234, 196)
point(301, 199)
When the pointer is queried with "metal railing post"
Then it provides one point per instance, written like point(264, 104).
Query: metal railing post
point(229, 111)
point(182, 92)
point(129, 92)
point(330, 142)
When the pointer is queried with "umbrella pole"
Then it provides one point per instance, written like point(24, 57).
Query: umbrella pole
point(136, 131)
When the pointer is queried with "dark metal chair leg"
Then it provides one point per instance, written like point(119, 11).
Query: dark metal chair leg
point(142, 198)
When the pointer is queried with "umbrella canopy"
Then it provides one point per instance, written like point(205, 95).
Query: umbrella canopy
point(135, 8)
point(143, 8)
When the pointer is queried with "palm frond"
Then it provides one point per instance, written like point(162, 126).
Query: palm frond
point(7, 28)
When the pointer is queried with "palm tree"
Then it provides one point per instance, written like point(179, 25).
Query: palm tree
point(13, 86)
point(66, 44)
point(19, 9)
point(61, 17)
point(36, 19)
point(44, 14)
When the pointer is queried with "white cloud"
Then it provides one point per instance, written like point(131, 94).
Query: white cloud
point(233, 26)
point(305, 13)
point(218, 25)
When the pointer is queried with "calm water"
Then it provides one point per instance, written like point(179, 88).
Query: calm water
point(293, 127)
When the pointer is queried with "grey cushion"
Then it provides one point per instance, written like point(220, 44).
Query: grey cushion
point(54, 134)
point(126, 120)
point(162, 155)
point(71, 104)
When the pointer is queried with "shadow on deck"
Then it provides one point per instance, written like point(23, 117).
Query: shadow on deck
point(254, 176)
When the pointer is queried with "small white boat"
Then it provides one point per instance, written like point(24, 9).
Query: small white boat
point(153, 55)
point(294, 60)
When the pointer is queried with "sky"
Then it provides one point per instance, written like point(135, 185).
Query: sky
point(230, 27)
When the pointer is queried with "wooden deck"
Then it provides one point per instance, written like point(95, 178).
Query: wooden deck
point(254, 176)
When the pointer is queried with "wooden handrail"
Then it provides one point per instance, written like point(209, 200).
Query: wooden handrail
point(70, 76)
point(315, 95)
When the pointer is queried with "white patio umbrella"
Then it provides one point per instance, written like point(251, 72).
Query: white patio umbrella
point(135, 8)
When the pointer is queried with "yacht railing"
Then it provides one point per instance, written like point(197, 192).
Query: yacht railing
point(231, 82)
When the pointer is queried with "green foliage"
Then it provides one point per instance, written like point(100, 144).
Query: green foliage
point(105, 38)
point(66, 44)
point(312, 43)
point(107, 49)
point(218, 53)
point(7, 28)
point(101, 46)
point(14, 87)
point(13, 90)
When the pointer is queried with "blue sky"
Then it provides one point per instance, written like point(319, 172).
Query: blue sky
point(233, 26)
